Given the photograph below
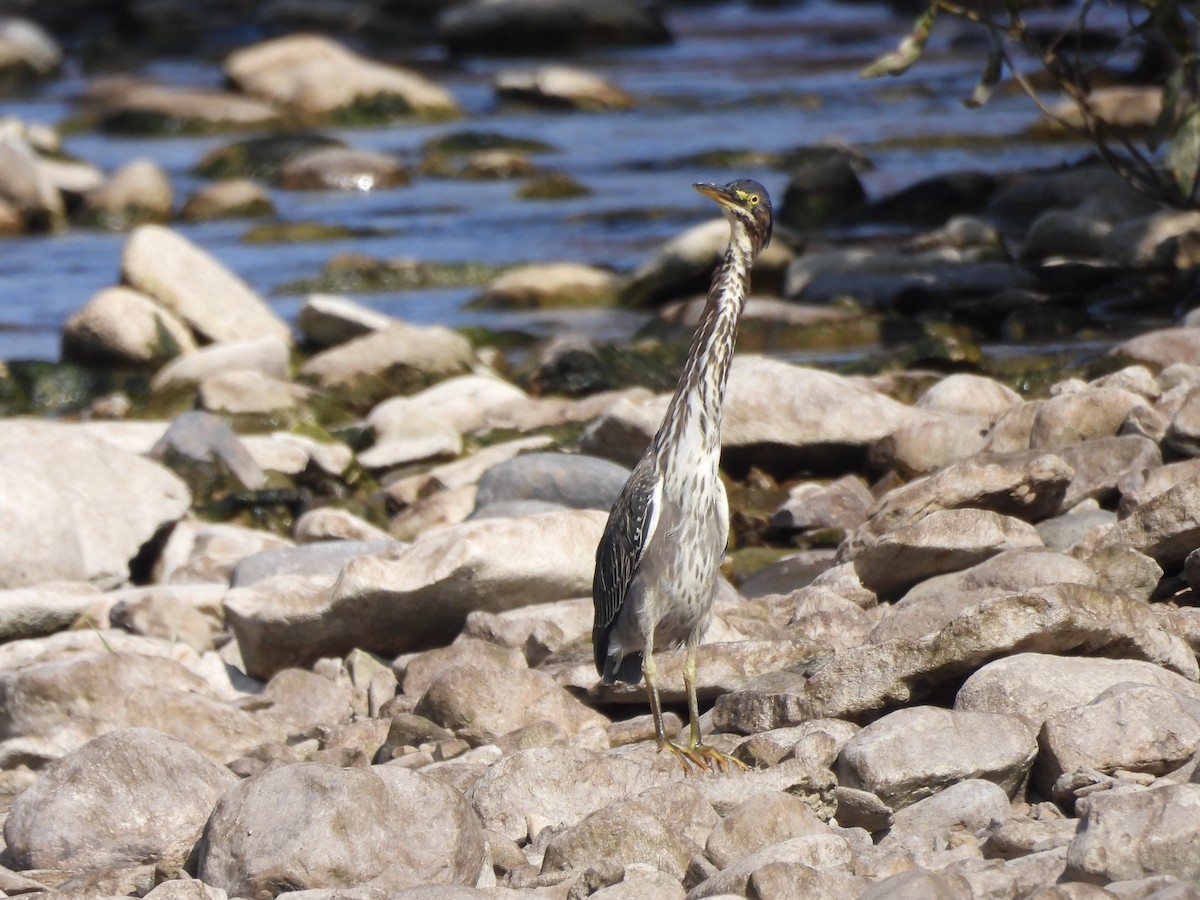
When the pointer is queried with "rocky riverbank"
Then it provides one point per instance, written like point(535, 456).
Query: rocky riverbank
point(303, 606)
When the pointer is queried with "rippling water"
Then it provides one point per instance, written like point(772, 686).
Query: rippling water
point(737, 77)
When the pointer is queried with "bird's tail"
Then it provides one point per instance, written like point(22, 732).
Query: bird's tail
point(627, 668)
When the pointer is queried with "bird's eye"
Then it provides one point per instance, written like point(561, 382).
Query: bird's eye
point(752, 199)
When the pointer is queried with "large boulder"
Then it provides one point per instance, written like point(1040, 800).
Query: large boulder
point(124, 327)
point(419, 596)
point(73, 507)
point(311, 825)
point(126, 797)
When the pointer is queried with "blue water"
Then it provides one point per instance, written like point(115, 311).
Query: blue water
point(736, 77)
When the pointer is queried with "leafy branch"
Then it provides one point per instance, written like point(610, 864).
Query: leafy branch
point(1163, 163)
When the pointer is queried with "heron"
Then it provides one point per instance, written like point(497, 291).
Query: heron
point(657, 564)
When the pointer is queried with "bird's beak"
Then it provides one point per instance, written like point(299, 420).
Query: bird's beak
point(715, 192)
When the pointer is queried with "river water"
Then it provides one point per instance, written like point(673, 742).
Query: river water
point(737, 77)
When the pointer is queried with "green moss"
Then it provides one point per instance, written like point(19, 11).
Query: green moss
point(551, 186)
point(301, 232)
point(44, 388)
point(260, 157)
point(356, 274)
point(461, 143)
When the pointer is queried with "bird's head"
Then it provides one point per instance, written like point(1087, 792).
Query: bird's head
point(745, 201)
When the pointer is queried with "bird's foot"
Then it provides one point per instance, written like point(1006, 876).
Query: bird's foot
point(702, 757)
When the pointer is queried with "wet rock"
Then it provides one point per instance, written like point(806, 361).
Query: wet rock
point(545, 285)
point(121, 326)
point(164, 789)
point(214, 302)
point(234, 198)
point(327, 320)
point(625, 832)
point(561, 87)
point(528, 26)
point(1093, 189)
point(824, 187)
point(49, 708)
point(341, 169)
point(1151, 240)
point(138, 192)
point(1134, 834)
point(1064, 233)
point(914, 753)
point(33, 201)
point(429, 588)
point(313, 76)
point(205, 452)
point(1037, 686)
point(383, 362)
point(52, 530)
point(318, 826)
point(129, 107)
point(1132, 727)
point(570, 480)
point(498, 699)
point(943, 541)
point(784, 416)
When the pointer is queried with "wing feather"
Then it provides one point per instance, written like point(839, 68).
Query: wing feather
point(630, 527)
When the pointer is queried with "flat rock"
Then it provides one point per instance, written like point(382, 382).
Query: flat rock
point(1063, 618)
point(49, 708)
point(267, 356)
point(820, 852)
point(121, 326)
point(249, 393)
point(567, 479)
point(328, 320)
point(779, 415)
point(418, 596)
point(946, 540)
point(311, 75)
point(127, 106)
point(913, 753)
point(924, 447)
point(559, 87)
point(626, 832)
point(1160, 348)
point(1165, 527)
point(972, 805)
point(231, 198)
point(840, 504)
point(1082, 415)
point(52, 530)
point(543, 285)
point(43, 609)
point(1037, 686)
point(1127, 835)
point(341, 169)
point(420, 435)
point(216, 304)
point(319, 826)
point(164, 789)
point(759, 822)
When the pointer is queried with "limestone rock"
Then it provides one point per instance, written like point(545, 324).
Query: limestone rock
point(1134, 834)
point(963, 394)
point(52, 530)
point(759, 822)
point(267, 356)
point(43, 609)
point(419, 596)
point(163, 789)
point(1166, 527)
point(914, 753)
point(231, 198)
point(946, 540)
point(972, 805)
point(571, 480)
point(328, 320)
point(543, 285)
point(140, 191)
point(626, 832)
point(214, 302)
point(318, 826)
point(1038, 686)
point(124, 327)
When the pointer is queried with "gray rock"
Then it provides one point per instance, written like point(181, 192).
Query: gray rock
point(50, 707)
point(925, 447)
point(207, 454)
point(1183, 432)
point(759, 822)
point(267, 355)
point(1064, 232)
point(323, 558)
point(214, 302)
point(165, 615)
point(328, 320)
point(821, 852)
point(1037, 686)
point(124, 327)
point(1160, 348)
point(535, 631)
point(318, 826)
point(94, 524)
point(1082, 415)
point(973, 805)
point(945, 540)
point(1065, 531)
point(530, 789)
point(1020, 835)
point(1136, 834)
point(422, 669)
point(1138, 487)
point(964, 394)
point(918, 884)
point(185, 888)
point(202, 553)
point(914, 753)
point(1129, 726)
point(418, 596)
point(45, 609)
point(126, 797)
point(1165, 527)
point(625, 832)
point(813, 505)
point(498, 699)
point(567, 479)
